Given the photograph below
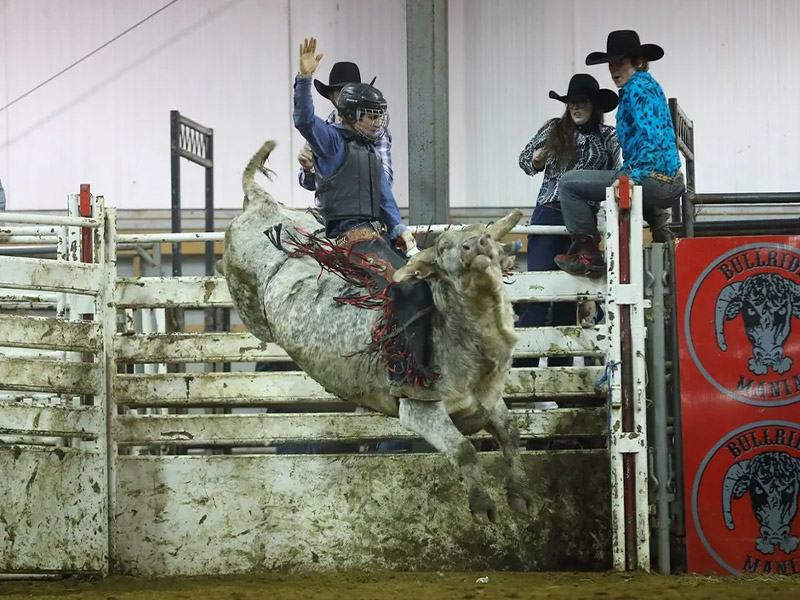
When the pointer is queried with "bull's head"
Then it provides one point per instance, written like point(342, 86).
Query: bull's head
point(773, 481)
point(475, 250)
point(766, 302)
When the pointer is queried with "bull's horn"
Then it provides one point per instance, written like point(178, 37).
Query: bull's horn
point(737, 474)
point(726, 296)
point(499, 229)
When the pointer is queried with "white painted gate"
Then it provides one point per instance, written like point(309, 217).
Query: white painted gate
point(194, 484)
point(53, 490)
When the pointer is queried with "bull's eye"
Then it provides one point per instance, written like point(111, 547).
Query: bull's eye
point(751, 312)
point(465, 247)
point(781, 311)
point(758, 490)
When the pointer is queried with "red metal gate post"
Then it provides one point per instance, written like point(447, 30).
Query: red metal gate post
point(629, 460)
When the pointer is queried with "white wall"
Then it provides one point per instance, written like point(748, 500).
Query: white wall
point(229, 65)
point(732, 64)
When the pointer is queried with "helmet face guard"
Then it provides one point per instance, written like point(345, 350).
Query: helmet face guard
point(371, 123)
point(364, 108)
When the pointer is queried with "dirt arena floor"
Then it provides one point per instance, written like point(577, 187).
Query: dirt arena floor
point(411, 586)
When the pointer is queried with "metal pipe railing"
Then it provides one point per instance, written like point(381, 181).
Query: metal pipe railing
point(747, 198)
point(6, 232)
point(50, 220)
point(215, 236)
point(50, 249)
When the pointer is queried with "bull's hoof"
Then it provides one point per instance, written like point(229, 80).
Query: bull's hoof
point(482, 507)
point(519, 505)
point(485, 518)
point(519, 501)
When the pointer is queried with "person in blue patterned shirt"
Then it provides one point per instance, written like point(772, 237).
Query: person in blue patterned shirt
point(576, 140)
point(341, 73)
point(649, 150)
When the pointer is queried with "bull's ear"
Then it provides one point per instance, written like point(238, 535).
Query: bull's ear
point(507, 264)
point(512, 248)
point(420, 266)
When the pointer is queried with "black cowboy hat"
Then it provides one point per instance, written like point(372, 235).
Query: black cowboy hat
point(584, 85)
point(625, 44)
point(341, 73)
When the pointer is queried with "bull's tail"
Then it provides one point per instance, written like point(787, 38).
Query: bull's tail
point(257, 163)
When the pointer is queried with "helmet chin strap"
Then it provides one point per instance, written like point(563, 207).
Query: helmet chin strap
point(353, 126)
point(370, 137)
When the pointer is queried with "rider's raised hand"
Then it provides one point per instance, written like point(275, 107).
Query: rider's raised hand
point(309, 59)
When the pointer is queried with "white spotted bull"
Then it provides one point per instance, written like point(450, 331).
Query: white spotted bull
point(286, 300)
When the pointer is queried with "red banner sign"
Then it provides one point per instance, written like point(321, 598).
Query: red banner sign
point(738, 304)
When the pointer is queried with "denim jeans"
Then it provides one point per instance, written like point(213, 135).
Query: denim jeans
point(581, 192)
point(541, 251)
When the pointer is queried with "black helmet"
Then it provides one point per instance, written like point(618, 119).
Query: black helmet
point(359, 96)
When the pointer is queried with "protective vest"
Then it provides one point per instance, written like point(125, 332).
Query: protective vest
point(354, 189)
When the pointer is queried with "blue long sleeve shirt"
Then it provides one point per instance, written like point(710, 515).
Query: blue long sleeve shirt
point(644, 129)
point(328, 147)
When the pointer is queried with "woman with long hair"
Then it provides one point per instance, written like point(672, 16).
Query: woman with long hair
point(576, 140)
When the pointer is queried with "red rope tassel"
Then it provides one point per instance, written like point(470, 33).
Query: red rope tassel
point(372, 274)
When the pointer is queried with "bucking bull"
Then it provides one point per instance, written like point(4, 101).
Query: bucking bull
point(289, 300)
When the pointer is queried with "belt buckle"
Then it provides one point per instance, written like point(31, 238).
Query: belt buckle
point(661, 177)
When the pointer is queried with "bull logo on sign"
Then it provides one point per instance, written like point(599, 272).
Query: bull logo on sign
point(772, 480)
point(767, 302)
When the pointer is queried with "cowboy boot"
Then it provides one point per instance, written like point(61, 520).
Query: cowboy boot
point(658, 221)
point(584, 257)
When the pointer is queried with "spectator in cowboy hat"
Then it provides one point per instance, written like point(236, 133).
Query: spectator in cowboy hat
point(576, 140)
point(649, 150)
point(341, 74)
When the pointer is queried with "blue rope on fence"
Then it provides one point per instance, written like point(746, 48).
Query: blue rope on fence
point(607, 374)
point(606, 379)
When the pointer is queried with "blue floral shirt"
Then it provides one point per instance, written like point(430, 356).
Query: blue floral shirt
point(644, 129)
